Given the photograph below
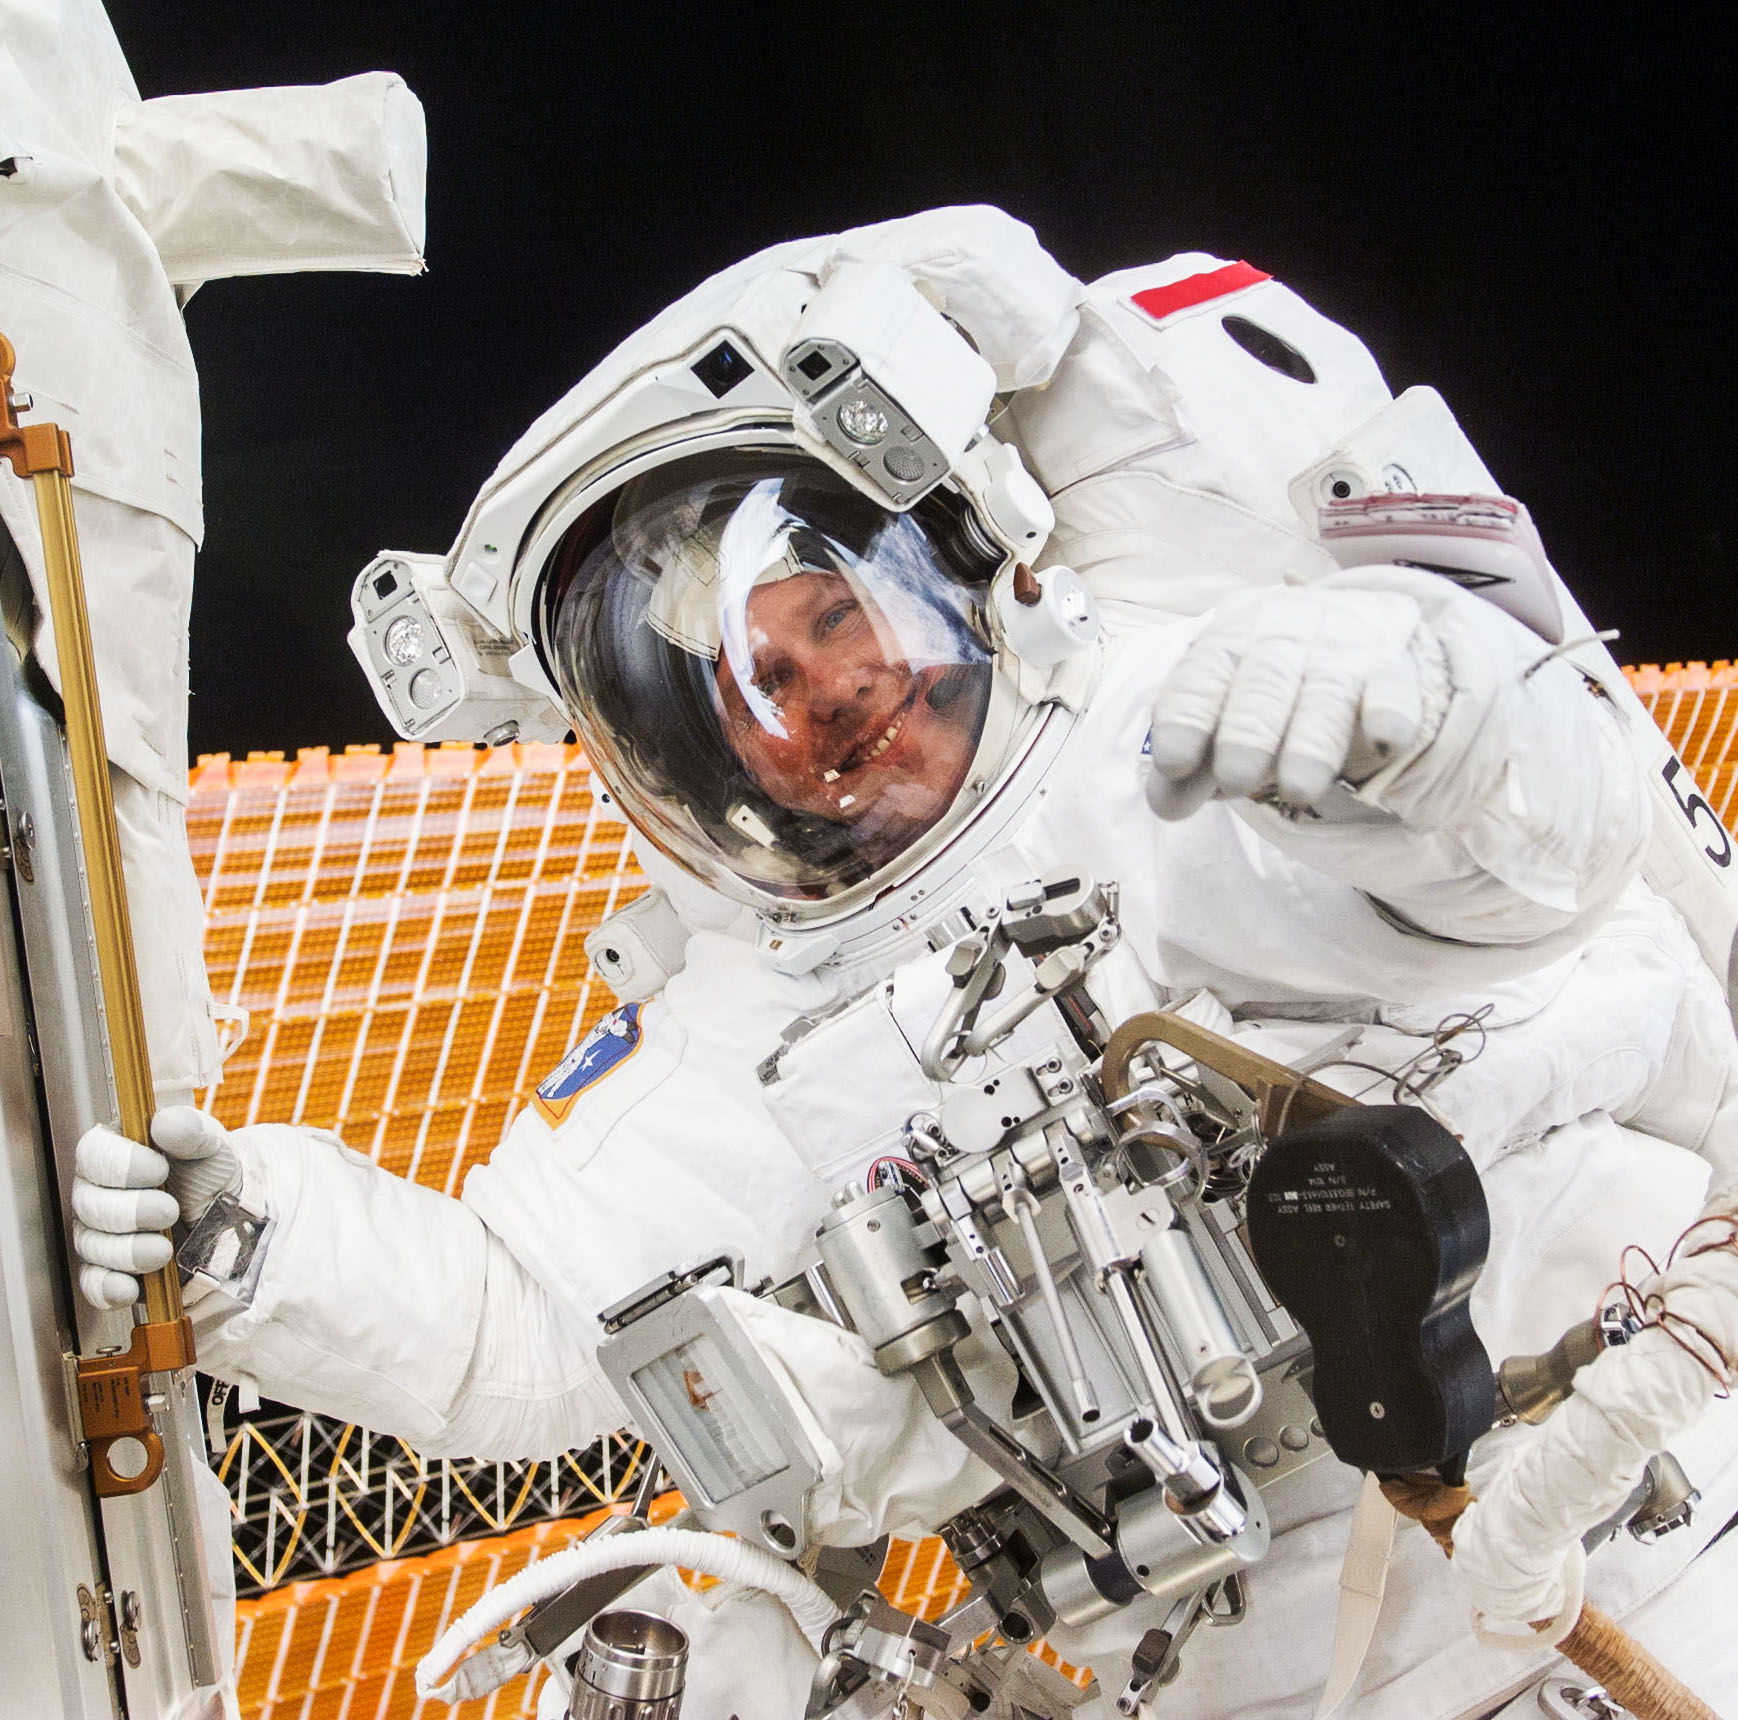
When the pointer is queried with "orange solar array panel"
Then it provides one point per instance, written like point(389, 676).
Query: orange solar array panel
point(405, 933)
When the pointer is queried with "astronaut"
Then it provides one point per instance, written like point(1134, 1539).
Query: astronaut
point(851, 664)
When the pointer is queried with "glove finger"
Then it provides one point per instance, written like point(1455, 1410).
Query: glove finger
point(120, 1210)
point(1392, 709)
point(115, 1162)
point(1175, 798)
point(105, 1289)
point(185, 1132)
point(1318, 738)
point(143, 1251)
point(1258, 711)
point(1186, 708)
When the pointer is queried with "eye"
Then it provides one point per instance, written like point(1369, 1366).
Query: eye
point(836, 617)
point(769, 683)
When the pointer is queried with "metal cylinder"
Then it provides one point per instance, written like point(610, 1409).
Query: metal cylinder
point(1155, 1553)
point(881, 1270)
point(1194, 1487)
point(1531, 1387)
point(1168, 1560)
point(1227, 1390)
point(1081, 1591)
point(630, 1666)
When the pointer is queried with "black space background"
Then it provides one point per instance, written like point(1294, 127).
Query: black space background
point(1531, 210)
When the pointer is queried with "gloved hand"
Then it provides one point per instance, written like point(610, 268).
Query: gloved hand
point(1516, 1607)
point(1284, 691)
point(125, 1195)
point(1630, 1402)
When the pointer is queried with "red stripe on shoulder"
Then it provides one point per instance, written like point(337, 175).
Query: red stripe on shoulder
point(1161, 302)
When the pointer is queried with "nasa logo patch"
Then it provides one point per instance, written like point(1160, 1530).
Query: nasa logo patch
point(610, 1044)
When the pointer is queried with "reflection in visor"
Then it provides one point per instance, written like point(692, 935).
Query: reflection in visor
point(774, 673)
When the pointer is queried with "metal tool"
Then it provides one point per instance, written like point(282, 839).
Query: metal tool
point(630, 1666)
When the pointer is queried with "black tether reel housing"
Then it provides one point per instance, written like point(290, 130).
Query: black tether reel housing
point(1371, 1226)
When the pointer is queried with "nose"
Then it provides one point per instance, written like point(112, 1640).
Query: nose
point(836, 691)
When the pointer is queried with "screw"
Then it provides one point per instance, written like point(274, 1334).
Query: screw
point(24, 847)
point(1377, 1412)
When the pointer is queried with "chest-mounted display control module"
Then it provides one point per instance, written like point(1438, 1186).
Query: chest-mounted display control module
point(1204, 1271)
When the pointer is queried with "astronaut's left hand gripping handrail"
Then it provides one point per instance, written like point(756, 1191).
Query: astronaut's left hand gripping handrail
point(111, 1389)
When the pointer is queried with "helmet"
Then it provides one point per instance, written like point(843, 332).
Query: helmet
point(787, 686)
point(797, 657)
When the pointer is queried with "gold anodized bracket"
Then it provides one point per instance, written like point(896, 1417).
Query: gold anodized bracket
point(113, 1392)
point(1283, 1097)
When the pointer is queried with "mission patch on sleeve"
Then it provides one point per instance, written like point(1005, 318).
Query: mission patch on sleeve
point(612, 1042)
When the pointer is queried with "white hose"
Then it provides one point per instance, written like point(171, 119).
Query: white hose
point(712, 1555)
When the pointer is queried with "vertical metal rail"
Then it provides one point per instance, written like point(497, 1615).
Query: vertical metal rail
point(131, 1411)
point(112, 1390)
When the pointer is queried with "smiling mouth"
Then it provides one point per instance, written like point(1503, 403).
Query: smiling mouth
point(867, 751)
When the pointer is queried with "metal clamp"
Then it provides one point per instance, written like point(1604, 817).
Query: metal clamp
point(871, 1657)
point(113, 1406)
point(726, 1268)
point(1063, 924)
point(1155, 1660)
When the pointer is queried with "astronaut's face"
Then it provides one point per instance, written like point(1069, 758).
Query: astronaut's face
point(836, 720)
point(787, 686)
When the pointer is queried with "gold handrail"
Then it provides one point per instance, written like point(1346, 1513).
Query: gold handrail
point(111, 1389)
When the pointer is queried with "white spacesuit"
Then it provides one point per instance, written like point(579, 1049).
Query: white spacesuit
point(113, 211)
point(846, 706)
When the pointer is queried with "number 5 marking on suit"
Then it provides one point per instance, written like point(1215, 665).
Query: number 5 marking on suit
point(1693, 806)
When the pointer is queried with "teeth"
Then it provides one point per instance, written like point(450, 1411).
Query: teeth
point(883, 742)
point(886, 741)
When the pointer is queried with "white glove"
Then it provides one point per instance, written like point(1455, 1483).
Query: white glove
point(1286, 690)
point(124, 1196)
point(1515, 1607)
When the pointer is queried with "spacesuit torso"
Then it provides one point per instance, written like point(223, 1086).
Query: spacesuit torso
point(682, 1147)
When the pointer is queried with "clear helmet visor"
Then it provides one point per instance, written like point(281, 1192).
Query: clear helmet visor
point(786, 685)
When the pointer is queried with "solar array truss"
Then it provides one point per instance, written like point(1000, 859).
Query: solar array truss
point(314, 1497)
point(397, 939)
